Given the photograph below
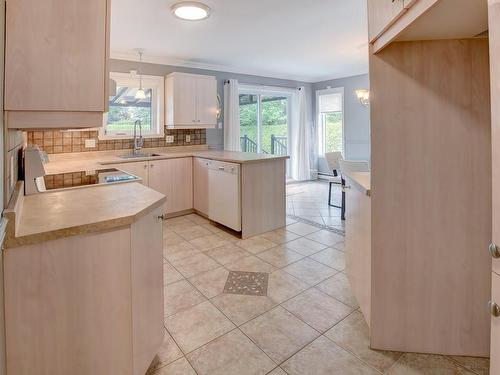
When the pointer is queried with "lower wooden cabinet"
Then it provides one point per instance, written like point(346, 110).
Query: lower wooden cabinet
point(495, 327)
point(173, 178)
point(87, 304)
point(200, 186)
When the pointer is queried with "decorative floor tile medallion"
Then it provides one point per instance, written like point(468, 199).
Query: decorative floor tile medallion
point(247, 283)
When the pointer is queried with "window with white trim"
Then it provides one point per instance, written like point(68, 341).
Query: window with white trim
point(125, 109)
point(330, 111)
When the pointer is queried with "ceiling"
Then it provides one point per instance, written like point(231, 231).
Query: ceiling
point(303, 40)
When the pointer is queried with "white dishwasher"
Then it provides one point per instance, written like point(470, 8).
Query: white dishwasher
point(224, 197)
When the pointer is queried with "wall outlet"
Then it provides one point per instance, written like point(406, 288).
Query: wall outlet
point(169, 139)
point(90, 143)
point(188, 138)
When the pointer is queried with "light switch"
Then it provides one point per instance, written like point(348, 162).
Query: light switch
point(90, 143)
point(188, 138)
point(169, 139)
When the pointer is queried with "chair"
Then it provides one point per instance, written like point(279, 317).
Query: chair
point(347, 166)
point(333, 160)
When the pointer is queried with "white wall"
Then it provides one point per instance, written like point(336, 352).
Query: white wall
point(356, 118)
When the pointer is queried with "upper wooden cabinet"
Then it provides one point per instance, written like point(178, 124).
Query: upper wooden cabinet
point(410, 20)
point(56, 63)
point(381, 14)
point(190, 101)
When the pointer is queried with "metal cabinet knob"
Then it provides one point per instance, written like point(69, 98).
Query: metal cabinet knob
point(494, 251)
point(494, 309)
point(162, 217)
point(145, 166)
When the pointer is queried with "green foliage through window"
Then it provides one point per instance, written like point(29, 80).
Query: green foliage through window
point(332, 122)
point(274, 118)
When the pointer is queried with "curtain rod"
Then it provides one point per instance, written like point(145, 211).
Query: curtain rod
point(226, 82)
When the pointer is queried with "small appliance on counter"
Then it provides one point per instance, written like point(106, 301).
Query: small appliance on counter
point(38, 181)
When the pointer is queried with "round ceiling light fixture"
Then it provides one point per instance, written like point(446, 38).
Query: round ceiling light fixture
point(191, 10)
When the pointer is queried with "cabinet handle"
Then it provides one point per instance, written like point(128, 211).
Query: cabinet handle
point(494, 309)
point(494, 251)
point(199, 121)
point(145, 166)
point(152, 165)
point(162, 217)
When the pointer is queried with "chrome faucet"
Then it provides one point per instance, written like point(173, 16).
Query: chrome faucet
point(138, 140)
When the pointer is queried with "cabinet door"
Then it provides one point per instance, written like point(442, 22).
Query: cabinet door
point(381, 14)
point(56, 55)
point(147, 288)
point(173, 178)
point(139, 169)
point(409, 3)
point(494, 36)
point(184, 105)
point(206, 101)
point(495, 328)
point(200, 190)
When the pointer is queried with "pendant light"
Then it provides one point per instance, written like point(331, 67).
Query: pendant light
point(140, 94)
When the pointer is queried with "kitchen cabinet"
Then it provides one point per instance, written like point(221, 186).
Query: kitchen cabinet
point(200, 185)
point(190, 101)
point(495, 325)
point(494, 36)
point(409, 3)
point(358, 252)
point(56, 63)
point(381, 14)
point(412, 20)
point(139, 169)
point(417, 196)
point(173, 178)
point(88, 304)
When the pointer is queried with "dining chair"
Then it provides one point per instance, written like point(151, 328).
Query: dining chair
point(333, 161)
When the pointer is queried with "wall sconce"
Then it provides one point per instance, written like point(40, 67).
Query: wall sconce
point(363, 96)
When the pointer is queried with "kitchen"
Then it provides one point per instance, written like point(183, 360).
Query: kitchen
point(163, 212)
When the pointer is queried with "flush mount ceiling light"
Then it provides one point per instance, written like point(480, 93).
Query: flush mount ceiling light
point(191, 10)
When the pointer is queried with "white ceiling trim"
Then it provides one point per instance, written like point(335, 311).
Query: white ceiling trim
point(162, 60)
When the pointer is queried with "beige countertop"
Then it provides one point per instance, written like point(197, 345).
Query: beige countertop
point(49, 216)
point(86, 161)
point(360, 180)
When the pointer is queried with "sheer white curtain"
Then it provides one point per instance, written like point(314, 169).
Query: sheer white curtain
point(300, 168)
point(231, 115)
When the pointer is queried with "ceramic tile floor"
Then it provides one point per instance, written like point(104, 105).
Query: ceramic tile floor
point(309, 202)
point(308, 323)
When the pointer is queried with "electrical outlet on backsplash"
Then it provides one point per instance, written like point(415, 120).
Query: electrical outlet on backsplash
point(58, 142)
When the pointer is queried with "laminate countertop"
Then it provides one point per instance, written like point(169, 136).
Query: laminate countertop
point(52, 215)
point(88, 161)
point(360, 180)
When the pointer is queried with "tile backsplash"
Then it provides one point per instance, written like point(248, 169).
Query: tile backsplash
point(59, 142)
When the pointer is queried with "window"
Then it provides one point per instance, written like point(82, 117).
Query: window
point(264, 119)
point(330, 110)
point(125, 109)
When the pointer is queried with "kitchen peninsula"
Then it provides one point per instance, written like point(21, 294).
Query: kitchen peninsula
point(183, 175)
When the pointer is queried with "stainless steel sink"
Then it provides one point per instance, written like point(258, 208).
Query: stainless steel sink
point(138, 155)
